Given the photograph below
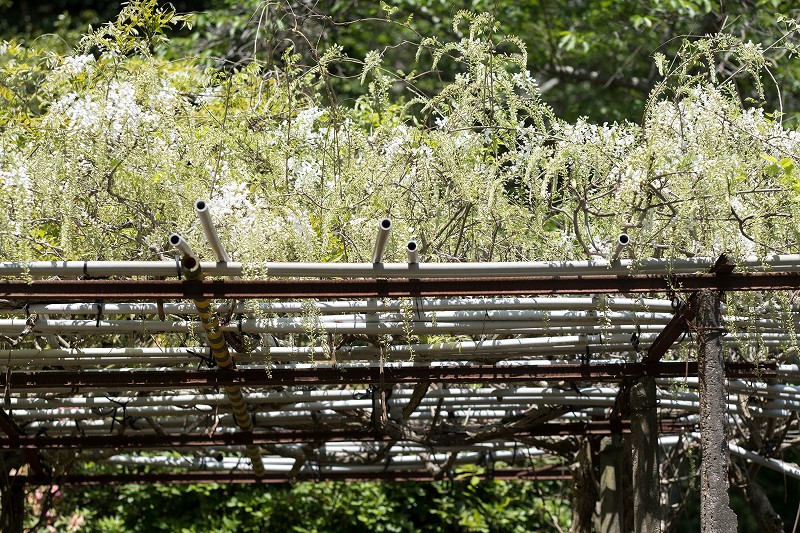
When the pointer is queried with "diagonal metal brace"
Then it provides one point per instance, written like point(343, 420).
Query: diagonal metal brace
point(685, 314)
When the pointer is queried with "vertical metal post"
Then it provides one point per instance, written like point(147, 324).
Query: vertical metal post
point(644, 447)
point(715, 511)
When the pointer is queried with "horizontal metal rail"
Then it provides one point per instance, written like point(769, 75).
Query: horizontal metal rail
point(260, 438)
point(117, 290)
point(546, 473)
point(180, 379)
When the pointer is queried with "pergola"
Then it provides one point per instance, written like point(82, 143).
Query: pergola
point(189, 371)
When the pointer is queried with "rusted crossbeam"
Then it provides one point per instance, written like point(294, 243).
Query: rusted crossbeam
point(260, 438)
point(133, 440)
point(545, 473)
point(340, 375)
point(110, 290)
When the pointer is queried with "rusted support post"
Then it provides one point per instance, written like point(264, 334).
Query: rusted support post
point(644, 448)
point(715, 511)
point(611, 493)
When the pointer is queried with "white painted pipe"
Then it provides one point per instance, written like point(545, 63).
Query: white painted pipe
point(790, 469)
point(463, 407)
point(334, 325)
point(204, 463)
point(672, 440)
point(789, 371)
point(288, 397)
point(111, 308)
point(357, 324)
point(229, 463)
point(623, 240)
point(369, 305)
point(204, 214)
point(384, 227)
point(447, 351)
point(402, 448)
point(181, 245)
point(412, 252)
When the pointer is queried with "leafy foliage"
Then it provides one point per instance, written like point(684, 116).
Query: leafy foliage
point(439, 507)
point(113, 148)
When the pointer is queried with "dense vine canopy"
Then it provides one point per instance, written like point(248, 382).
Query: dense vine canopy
point(104, 151)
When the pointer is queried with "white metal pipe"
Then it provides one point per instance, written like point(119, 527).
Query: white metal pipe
point(542, 346)
point(445, 364)
point(672, 440)
point(284, 397)
point(767, 328)
point(371, 305)
point(111, 308)
point(181, 245)
point(623, 240)
point(752, 388)
point(273, 461)
point(790, 469)
point(201, 207)
point(789, 371)
point(227, 463)
point(412, 252)
point(332, 324)
point(459, 407)
point(384, 227)
point(339, 324)
point(307, 399)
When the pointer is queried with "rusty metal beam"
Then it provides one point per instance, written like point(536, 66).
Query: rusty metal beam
point(340, 375)
point(189, 440)
point(260, 438)
point(109, 290)
point(672, 331)
point(546, 473)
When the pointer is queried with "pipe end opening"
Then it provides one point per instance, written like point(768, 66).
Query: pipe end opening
point(624, 239)
point(412, 246)
point(386, 224)
point(175, 239)
point(201, 205)
point(188, 262)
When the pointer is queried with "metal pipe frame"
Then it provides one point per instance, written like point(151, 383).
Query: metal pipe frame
point(389, 375)
point(262, 438)
point(283, 418)
point(116, 290)
point(398, 270)
point(477, 323)
point(548, 303)
point(544, 473)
